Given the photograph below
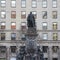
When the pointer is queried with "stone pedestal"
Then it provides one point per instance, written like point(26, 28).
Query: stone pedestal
point(31, 51)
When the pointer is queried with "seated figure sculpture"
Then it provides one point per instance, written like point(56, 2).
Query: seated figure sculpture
point(31, 20)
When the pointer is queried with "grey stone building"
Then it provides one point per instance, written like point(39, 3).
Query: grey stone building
point(13, 25)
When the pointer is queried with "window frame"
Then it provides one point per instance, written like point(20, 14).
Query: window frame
point(13, 36)
point(55, 36)
point(13, 47)
point(54, 2)
point(3, 25)
point(55, 49)
point(13, 58)
point(3, 3)
point(56, 26)
point(46, 25)
point(13, 14)
point(44, 15)
point(14, 4)
point(23, 25)
point(45, 37)
point(44, 2)
point(3, 14)
point(3, 36)
point(13, 25)
point(54, 14)
point(23, 14)
point(34, 5)
point(45, 49)
point(2, 49)
point(22, 3)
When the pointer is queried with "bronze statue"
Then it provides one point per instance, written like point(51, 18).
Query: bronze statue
point(31, 20)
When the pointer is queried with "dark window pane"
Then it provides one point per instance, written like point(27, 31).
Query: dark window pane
point(55, 58)
point(2, 36)
point(13, 14)
point(2, 49)
point(45, 49)
point(55, 49)
point(13, 49)
point(13, 36)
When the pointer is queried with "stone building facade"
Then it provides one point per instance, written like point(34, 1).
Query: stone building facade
point(13, 25)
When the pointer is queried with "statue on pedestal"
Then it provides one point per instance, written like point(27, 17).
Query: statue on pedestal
point(30, 52)
point(31, 20)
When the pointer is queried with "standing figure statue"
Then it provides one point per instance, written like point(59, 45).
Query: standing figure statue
point(31, 20)
point(30, 51)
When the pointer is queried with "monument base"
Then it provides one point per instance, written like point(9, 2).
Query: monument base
point(31, 31)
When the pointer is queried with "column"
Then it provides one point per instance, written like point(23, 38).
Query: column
point(50, 53)
point(59, 53)
point(8, 54)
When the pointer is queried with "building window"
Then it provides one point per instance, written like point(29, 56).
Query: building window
point(23, 37)
point(23, 3)
point(13, 14)
point(44, 3)
point(13, 58)
point(45, 58)
point(54, 14)
point(13, 49)
point(2, 25)
point(2, 36)
point(55, 49)
point(34, 3)
point(13, 36)
point(23, 26)
point(54, 26)
point(55, 59)
point(45, 48)
point(44, 26)
point(54, 3)
point(13, 25)
point(35, 14)
point(45, 36)
point(55, 36)
point(2, 58)
point(3, 3)
point(23, 15)
point(44, 16)
point(2, 49)
point(13, 3)
point(3, 14)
